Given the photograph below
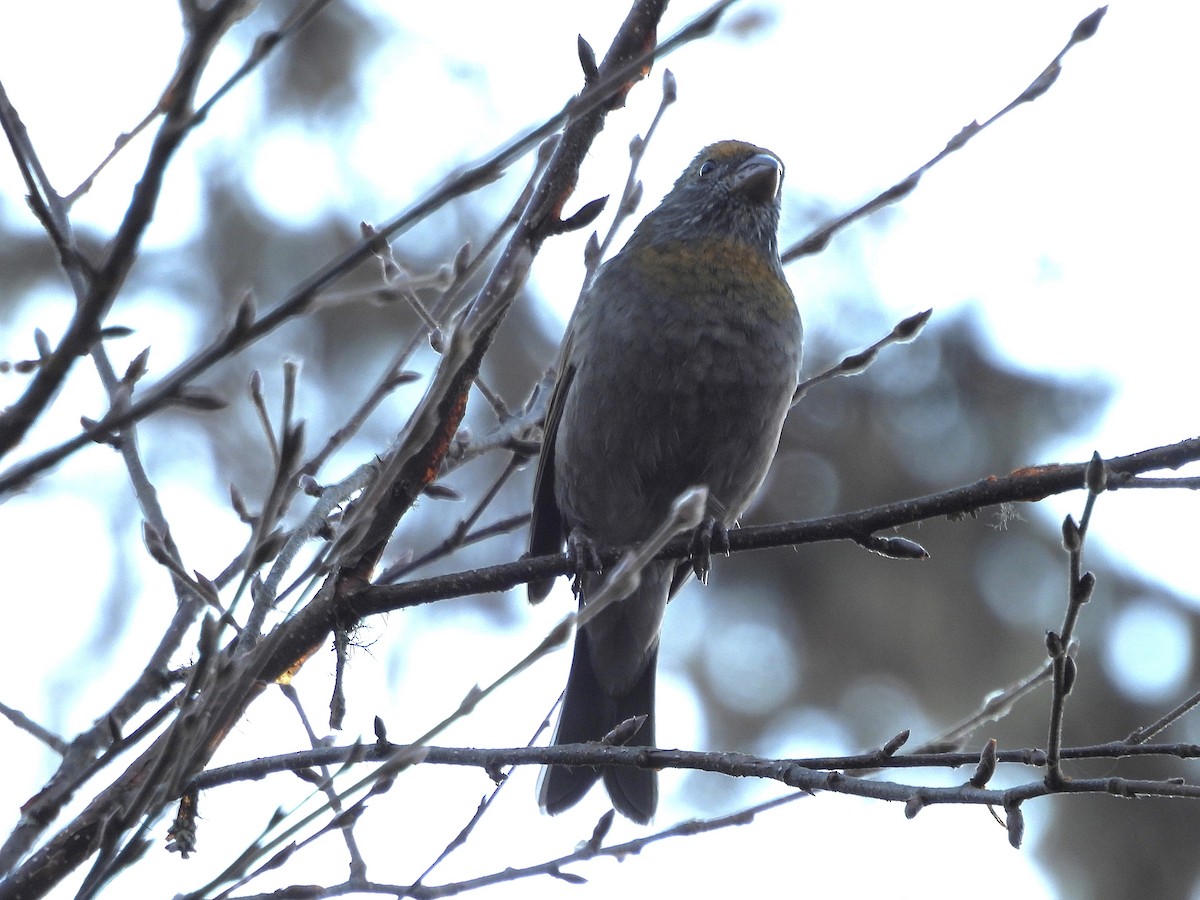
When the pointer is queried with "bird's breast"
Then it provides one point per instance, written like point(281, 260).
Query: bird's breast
point(681, 378)
point(721, 278)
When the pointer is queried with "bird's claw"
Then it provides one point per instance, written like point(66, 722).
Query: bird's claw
point(710, 536)
point(584, 557)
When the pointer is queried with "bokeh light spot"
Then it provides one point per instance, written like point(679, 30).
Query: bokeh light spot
point(1148, 651)
point(754, 666)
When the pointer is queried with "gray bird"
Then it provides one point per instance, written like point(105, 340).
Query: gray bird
point(677, 370)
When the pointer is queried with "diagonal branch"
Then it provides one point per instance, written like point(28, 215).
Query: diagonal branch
point(817, 241)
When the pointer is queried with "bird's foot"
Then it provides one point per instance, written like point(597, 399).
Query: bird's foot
point(584, 556)
point(710, 536)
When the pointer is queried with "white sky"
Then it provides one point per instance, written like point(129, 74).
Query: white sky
point(1070, 227)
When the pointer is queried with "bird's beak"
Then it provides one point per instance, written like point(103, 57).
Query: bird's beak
point(759, 177)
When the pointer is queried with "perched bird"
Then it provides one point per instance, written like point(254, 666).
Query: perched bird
point(677, 370)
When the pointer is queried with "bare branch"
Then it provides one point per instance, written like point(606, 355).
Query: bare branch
point(99, 290)
point(817, 241)
point(856, 363)
point(1028, 484)
point(1061, 644)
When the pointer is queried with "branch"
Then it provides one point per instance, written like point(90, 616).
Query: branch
point(904, 331)
point(625, 755)
point(1061, 644)
point(817, 241)
point(589, 849)
point(684, 513)
point(805, 775)
point(102, 287)
point(1028, 484)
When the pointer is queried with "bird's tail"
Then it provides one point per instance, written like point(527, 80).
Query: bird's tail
point(588, 713)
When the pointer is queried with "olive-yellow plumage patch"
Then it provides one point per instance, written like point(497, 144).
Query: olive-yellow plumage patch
point(705, 272)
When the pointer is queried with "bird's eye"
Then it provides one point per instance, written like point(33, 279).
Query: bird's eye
point(706, 167)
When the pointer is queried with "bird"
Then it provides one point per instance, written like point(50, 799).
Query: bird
point(677, 369)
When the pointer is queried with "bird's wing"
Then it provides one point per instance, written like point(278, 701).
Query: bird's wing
point(546, 530)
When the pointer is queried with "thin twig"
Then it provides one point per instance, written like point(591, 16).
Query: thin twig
point(458, 537)
point(904, 331)
point(45, 735)
point(817, 241)
point(106, 281)
point(631, 194)
point(464, 268)
point(1141, 735)
point(460, 839)
point(1060, 645)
